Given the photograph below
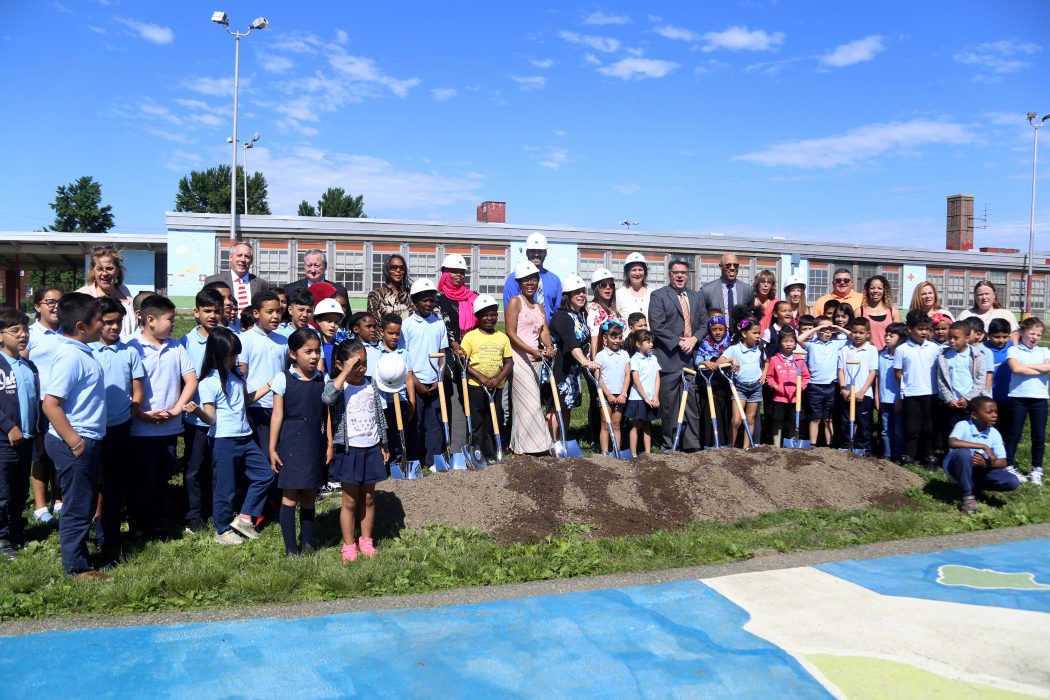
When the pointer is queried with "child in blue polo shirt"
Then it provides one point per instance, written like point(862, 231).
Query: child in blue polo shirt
point(44, 337)
point(976, 456)
point(915, 363)
point(20, 423)
point(861, 378)
point(891, 423)
point(264, 355)
point(749, 363)
point(75, 405)
point(822, 357)
point(960, 374)
point(1028, 395)
point(123, 371)
point(424, 334)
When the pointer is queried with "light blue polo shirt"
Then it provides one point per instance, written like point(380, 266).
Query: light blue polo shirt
point(1025, 386)
point(889, 387)
point(750, 360)
point(372, 354)
point(165, 368)
point(647, 367)
point(423, 336)
point(266, 355)
point(231, 417)
point(120, 365)
point(917, 364)
point(960, 370)
point(194, 343)
point(28, 399)
point(868, 355)
point(78, 381)
point(966, 430)
point(823, 359)
point(43, 342)
point(614, 365)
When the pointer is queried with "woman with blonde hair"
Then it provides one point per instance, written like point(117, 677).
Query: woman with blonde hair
point(925, 298)
point(105, 278)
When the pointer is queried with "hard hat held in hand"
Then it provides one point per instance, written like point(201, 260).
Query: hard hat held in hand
point(390, 373)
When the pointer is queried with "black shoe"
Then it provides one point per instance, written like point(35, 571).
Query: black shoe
point(7, 551)
point(931, 463)
point(195, 526)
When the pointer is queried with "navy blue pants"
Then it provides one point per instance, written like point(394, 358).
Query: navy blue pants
point(863, 424)
point(430, 436)
point(959, 466)
point(197, 477)
point(155, 457)
point(1020, 411)
point(918, 426)
point(231, 457)
point(114, 456)
point(483, 436)
point(14, 488)
point(393, 440)
point(78, 478)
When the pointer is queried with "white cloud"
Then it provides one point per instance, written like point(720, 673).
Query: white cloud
point(443, 94)
point(529, 82)
point(859, 144)
point(627, 189)
point(738, 38)
point(592, 59)
point(598, 43)
point(638, 68)
point(560, 132)
point(218, 87)
point(153, 33)
point(668, 31)
point(341, 37)
point(999, 57)
point(550, 157)
point(854, 52)
point(297, 42)
point(601, 19)
point(273, 63)
point(359, 68)
point(542, 63)
point(97, 30)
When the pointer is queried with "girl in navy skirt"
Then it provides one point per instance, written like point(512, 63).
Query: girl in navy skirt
point(299, 448)
point(359, 436)
point(643, 403)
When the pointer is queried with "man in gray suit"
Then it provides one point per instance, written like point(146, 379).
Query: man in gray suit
point(243, 284)
point(678, 320)
point(727, 291)
point(315, 264)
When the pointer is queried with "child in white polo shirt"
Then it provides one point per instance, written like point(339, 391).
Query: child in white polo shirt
point(1028, 394)
point(914, 363)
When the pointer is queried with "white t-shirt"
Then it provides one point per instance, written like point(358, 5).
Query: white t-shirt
point(627, 303)
point(361, 428)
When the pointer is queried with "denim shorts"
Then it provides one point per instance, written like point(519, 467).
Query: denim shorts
point(750, 392)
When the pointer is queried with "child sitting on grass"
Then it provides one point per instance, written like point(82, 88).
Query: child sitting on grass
point(976, 456)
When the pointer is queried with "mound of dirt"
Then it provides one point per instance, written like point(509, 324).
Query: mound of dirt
point(528, 498)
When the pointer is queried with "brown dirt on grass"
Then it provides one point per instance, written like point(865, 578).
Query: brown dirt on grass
point(529, 498)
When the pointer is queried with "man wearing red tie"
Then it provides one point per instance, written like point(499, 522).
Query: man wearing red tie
point(243, 284)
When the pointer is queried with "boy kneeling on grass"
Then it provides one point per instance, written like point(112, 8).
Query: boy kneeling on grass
point(976, 455)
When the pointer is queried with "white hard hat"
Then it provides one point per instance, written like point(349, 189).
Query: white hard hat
point(328, 306)
point(635, 258)
point(422, 285)
point(390, 373)
point(482, 302)
point(573, 282)
point(536, 241)
point(524, 269)
point(600, 275)
point(792, 281)
point(454, 261)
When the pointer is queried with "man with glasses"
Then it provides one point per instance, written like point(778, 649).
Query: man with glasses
point(841, 291)
point(678, 320)
point(726, 292)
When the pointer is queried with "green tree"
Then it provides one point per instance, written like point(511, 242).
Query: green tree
point(77, 208)
point(208, 192)
point(335, 202)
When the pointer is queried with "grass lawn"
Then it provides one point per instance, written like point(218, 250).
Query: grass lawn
point(193, 572)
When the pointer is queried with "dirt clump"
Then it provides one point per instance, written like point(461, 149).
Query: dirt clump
point(529, 498)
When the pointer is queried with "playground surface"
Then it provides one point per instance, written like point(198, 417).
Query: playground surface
point(952, 622)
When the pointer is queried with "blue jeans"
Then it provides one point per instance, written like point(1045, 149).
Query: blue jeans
point(78, 478)
point(1021, 410)
point(959, 466)
point(231, 457)
point(891, 426)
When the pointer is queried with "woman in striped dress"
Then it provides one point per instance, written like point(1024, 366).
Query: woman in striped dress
point(531, 339)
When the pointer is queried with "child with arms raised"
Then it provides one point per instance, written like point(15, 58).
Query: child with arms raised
point(822, 355)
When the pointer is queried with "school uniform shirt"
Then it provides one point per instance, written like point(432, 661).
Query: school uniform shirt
point(120, 365)
point(889, 387)
point(771, 340)
point(614, 365)
point(43, 342)
point(917, 364)
point(231, 418)
point(1001, 372)
point(822, 358)
point(989, 356)
point(960, 371)
point(1025, 386)
point(869, 362)
point(22, 382)
point(372, 355)
point(423, 337)
point(77, 379)
point(162, 384)
point(285, 328)
point(404, 391)
point(647, 367)
point(266, 355)
point(486, 352)
point(750, 360)
point(194, 343)
point(279, 385)
point(967, 431)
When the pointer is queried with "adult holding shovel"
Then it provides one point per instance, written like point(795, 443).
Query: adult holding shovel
point(531, 341)
point(571, 338)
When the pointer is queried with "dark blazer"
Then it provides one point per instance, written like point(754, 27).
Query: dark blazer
point(292, 287)
point(257, 285)
point(712, 294)
point(667, 325)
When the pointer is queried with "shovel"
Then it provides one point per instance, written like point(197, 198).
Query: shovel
point(852, 368)
point(442, 462)
point(681, 409)
point(468, 456)
point(798, 443)
point(616, 451)
point(708, 376)
point(564, 447)
point(495, 424)
point(406, 469)
point(739, 405)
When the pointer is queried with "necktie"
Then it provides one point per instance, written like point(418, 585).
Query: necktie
point(540, 299)
point(242, 295)
point(730, 302)
point(684, 301)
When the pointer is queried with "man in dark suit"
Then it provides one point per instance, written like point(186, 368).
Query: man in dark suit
point(243, 284)
point(727, 291)
point(678, 320)
point(315, 264)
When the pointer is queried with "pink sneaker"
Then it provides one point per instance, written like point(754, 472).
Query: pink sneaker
point(366, 547)
point(349, 553)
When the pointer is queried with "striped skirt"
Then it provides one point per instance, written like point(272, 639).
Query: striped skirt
point(529, 433)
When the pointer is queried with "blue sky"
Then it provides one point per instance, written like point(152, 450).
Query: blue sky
point(829, 121)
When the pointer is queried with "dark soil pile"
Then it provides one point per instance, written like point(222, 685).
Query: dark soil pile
point(527, 498)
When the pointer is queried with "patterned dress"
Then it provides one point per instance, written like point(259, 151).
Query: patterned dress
point(529, 433)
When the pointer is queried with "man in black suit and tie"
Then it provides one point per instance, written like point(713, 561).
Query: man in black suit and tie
point(243, 284)
point(727, 291)
point(315, 264)
point(678, 320)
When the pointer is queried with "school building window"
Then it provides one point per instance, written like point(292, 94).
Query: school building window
point(998, 278)
point(955, 293)
point(657, 271)
point(894, 278)
point(224, 259)
point(492, 272)
point(1038, 293)
point(587, 262)
point(709, 272)
point(348, 269)
point(422, 264)
point(817, 285)
point(274, 265)
point(1017, 289)
point(744, 272)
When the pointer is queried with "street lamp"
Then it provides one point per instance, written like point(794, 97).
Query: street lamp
point(259, 23)
point(1032, 119)
point(247, 145)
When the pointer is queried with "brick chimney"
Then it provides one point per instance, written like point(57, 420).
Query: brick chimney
point(959, 233)
point(496, 212)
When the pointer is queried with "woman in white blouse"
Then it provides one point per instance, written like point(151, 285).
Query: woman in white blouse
point(633, 296)
point(105, 278)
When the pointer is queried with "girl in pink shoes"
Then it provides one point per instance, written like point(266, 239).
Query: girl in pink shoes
point(359, 437)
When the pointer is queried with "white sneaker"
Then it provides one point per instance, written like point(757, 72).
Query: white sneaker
point(245, 527)
point(1036, 476)
point(1020, 476)
point(228, 537)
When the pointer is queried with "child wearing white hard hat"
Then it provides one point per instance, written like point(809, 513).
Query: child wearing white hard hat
point(489, 362)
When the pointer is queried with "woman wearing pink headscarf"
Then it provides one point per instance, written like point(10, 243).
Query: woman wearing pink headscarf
point(455, 302)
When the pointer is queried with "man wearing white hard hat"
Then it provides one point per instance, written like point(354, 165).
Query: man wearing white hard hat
point(633, 296)
point(489, 361)
point(455, 302)
point(424, 335)
point(549, 286)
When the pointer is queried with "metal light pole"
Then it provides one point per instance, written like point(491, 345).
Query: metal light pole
point(247, 145)
point(259, 23)
point(1032, 116)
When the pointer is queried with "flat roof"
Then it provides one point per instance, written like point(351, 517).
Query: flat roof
point(41, 249)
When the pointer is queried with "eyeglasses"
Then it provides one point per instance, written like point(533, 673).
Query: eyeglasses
point(842, 280)
point(49, 303)
point(731, 266)
point(397, 267)
point(21, 330)
point(608, 284)
point(679, 272)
